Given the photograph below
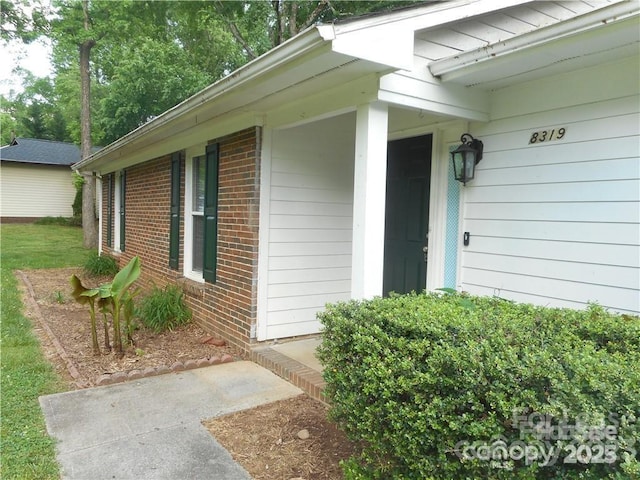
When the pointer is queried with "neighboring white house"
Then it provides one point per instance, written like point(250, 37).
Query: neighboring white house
point(356, 121)
point(36, 179)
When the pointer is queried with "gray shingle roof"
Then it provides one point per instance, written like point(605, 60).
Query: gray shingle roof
point(45, 152)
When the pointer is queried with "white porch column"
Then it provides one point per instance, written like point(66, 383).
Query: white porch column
point(369, 190)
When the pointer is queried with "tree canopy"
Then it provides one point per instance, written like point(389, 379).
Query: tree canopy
point(145, 56)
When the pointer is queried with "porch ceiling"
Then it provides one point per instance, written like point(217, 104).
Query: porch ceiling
point(597, 38)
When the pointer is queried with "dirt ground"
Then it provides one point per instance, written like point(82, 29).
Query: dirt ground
point(265, 440)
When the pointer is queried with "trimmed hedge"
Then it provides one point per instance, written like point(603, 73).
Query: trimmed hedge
point(449, 386)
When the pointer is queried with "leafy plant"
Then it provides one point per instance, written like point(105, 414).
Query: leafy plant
point(78, 183)
point(164, 309)
point(422, 380)
point(100, 265)
point(86, 296)
point(113, 297)
point(128, 312)
point(59, 296)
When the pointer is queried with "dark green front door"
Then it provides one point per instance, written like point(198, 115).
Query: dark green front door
point(407, 214)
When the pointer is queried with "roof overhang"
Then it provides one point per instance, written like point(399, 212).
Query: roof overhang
point(604, 35)
point(312, 61)
point(320, 58)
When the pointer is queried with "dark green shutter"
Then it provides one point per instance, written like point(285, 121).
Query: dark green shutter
point(110, 210)
point(211, 213)
point(123, 186)
point(174, 229)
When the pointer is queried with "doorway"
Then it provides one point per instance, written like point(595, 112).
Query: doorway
point(407, 214)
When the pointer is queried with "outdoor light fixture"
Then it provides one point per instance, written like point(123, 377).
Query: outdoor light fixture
point(466, 157)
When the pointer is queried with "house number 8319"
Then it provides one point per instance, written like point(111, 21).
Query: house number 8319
point(547, 135)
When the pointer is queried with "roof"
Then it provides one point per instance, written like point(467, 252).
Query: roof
point(325, 57)
point(42, 152)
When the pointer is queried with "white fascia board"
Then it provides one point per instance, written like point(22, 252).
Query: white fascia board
point(388, 45)
point(389, 39)
point(288, 51)
point(430, 15)
point(461, 64)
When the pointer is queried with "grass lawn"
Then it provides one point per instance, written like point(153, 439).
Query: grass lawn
point(27, 450)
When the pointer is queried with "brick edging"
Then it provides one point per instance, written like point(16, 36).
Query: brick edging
point(117, 377)
point(30, 297)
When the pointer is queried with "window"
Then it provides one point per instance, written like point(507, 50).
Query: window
point(120, 194)
point(110, 210)
point(197, 213)
point(201, 216)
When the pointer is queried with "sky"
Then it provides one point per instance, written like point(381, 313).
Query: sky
point(33, 57)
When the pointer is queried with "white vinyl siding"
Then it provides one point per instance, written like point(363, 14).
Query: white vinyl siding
point(558, 223)
point(34, 191)
point(310, 222)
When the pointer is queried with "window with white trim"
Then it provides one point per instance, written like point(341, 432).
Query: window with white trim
point(201, 215)
point(197, 213)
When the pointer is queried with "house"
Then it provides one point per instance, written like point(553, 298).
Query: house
point(35, 179)
point(322, 172)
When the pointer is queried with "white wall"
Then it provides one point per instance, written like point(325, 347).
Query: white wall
point(558, 223)
point(310, 222)
point(35, 191)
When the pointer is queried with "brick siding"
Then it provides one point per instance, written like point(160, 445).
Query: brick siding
point(227, 308)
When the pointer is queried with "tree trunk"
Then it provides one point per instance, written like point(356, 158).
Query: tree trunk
point(89, 222)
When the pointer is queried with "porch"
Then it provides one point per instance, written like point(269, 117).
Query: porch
point(294, 361)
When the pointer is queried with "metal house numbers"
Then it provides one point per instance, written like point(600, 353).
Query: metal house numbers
point(547, 135)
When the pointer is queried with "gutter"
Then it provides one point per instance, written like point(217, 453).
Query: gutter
point(286, 52)
point(450, 68)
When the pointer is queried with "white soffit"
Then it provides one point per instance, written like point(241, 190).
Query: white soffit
point(603, 35)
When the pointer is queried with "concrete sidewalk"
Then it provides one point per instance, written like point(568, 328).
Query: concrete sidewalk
point(150, 428)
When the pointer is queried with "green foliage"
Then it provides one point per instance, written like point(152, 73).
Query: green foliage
point(27, 450)
point(18, 23)
point(85, 296)
point(61, 221)
point(416, 379)
point(164, 309)
point(78, 184)
point(7, 124)
point(100, 265)
point(35, 112)
point(112, 298)
point(169, 78)
point(59, 297)
point(195, 43)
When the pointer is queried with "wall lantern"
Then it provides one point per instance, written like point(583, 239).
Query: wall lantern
point(466, 157)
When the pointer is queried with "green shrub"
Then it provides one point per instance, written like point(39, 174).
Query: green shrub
point(101, 265)
point(62, 221)
point(75, 221)
point(164, 309)
point(432, 386)
point(76, 206)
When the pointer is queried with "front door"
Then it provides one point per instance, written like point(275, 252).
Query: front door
point(407, 214)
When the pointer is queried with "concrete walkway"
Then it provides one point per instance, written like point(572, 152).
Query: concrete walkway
point(150, 428)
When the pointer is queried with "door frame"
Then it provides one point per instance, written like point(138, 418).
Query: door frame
point(444, 136)
point(394, 208)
